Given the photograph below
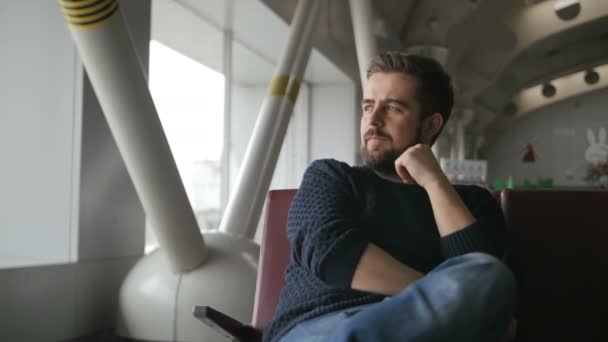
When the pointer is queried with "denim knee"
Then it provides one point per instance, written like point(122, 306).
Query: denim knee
point(492, 267)
point(494, 286)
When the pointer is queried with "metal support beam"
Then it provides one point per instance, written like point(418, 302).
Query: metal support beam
point(110, 59)
point(247, 198)
point(362, 15)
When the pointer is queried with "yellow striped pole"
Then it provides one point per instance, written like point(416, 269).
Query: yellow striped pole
point(88, 14)
point(247, 197)
point(104, 45)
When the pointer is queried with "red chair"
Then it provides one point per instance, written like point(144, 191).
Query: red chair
point(558, 240)
point(274, 257)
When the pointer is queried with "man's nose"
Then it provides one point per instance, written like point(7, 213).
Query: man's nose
point(376, 117)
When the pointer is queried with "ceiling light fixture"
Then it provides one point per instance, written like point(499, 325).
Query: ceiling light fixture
point(567, 9)
point(549, 90)
point(591, 77)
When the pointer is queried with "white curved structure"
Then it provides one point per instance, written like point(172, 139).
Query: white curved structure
point(156, 305)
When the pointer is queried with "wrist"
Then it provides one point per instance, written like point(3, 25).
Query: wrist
point(439, 184)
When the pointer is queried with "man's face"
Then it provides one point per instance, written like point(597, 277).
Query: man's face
point(390, 122)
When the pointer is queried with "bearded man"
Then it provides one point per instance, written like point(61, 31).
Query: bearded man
point(391, 251)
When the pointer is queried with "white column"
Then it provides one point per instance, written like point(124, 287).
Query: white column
point(464, 120)
point(119, 82)
point(362, 16)
point(227, 68)
point(247, 198)
point(460, 143)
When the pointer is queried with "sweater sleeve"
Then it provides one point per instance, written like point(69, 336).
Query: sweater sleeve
point(487, 234)
point(322, 228)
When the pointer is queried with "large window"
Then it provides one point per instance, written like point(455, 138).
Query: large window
point(189, 98)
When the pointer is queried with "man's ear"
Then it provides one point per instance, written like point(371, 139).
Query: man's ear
point(431, 127)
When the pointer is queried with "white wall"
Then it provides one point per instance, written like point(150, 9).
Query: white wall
point(295, 153)
point(42, 107)
point(559, 135)
point(39, 135)
point(334, 122)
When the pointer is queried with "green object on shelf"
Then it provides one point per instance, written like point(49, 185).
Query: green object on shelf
point(527, 184)
point(499, 184)
point(545, 183)
point(510, 182)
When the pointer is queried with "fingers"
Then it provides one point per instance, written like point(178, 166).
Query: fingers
point(401, 168)
point(403, 173)
point(412, 163)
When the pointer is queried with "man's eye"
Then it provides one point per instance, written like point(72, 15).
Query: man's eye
point(368, 108)
point(393, 108)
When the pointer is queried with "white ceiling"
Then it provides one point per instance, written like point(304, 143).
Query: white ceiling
point(195, 27)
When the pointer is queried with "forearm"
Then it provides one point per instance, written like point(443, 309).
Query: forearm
point(379, 272)
point(451, 214)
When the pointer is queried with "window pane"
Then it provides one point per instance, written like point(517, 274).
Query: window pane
point(189, 98)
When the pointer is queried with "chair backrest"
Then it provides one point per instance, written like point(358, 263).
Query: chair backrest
point(274, 256)
point(558, 240)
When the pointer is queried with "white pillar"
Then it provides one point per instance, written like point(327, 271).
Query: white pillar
point(227, 69)
point(460, 139)
point(119, 82)
point(464, 120)
point(247, 198)
point(362, 16)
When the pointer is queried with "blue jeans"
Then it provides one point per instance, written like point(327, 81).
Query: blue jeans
point(467, 298)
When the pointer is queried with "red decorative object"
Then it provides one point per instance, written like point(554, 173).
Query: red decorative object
point(529, 155)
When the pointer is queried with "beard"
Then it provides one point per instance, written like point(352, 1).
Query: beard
point(383, 161)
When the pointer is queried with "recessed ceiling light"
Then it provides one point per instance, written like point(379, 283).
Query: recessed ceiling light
point(591, 76)
point(567, 9)
point(548, 90)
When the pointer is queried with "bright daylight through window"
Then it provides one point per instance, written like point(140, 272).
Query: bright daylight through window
point(189, 98)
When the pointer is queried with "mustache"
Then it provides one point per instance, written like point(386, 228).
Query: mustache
point(376, 132)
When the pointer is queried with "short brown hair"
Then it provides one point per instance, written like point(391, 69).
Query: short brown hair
point(434, 90)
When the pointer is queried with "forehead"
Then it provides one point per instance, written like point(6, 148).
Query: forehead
point(390, 85)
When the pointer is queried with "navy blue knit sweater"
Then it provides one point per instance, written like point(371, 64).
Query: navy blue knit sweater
point(339, 209)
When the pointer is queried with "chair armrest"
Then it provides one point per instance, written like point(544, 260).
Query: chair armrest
point(225, 325)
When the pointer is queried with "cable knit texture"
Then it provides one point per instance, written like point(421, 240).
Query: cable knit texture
point(339, 209)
